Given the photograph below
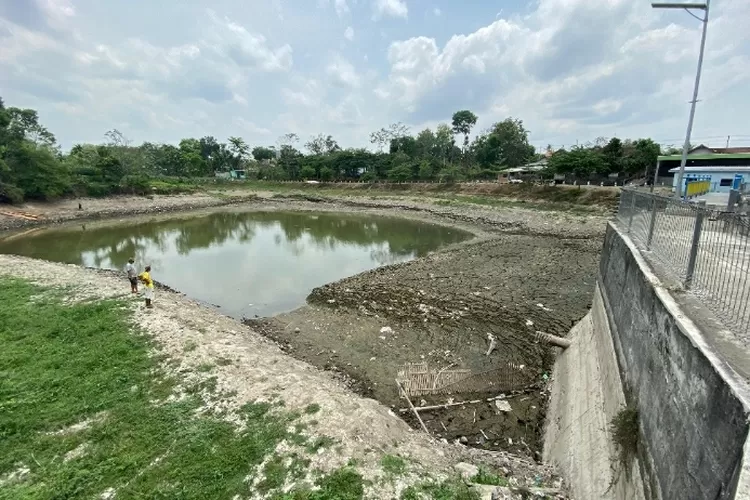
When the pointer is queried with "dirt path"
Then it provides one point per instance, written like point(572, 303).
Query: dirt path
point(254, 369)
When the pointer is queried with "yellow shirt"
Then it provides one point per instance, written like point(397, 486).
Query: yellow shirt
point(145, 277)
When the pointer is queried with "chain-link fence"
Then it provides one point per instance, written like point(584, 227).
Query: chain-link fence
point(707, 249)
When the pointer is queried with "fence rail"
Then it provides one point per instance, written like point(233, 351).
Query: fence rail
point(707, 250)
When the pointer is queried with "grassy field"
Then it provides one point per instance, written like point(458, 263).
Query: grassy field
point(88, 411)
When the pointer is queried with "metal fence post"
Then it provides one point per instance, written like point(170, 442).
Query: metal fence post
point(632, 211)
point(694, 244)
point(651, 224)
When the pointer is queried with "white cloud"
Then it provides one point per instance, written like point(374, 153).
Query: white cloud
point(249, 127)
point(392, 8)
point(250, 49)
point(571, 69)
point(340, 6)
point(342, 72)
point(571, 65)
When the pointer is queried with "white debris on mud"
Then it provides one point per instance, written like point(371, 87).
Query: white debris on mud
point(254, 369)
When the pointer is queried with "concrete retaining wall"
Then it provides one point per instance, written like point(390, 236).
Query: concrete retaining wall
point(692, 407)
point(586, 394)
point(692, 420)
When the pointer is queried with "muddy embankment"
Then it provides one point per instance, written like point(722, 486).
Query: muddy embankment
point(34, 214)
point(526, 272)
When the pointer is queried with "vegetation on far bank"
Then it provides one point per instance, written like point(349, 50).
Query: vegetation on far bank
point(33, 166)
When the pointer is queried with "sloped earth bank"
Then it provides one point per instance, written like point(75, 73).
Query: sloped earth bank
point(439, 310)
point(202, 347)
point(526, 271)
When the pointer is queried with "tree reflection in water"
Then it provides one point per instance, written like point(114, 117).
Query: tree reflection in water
point(236, 248)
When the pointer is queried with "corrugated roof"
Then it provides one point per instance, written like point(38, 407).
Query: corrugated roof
point(723, 151)
point(709, 156)
point(712, 169)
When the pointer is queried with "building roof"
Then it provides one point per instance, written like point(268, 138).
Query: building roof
point(723, 151)
point(708, 156)
point(738, 170)
point(531, 167)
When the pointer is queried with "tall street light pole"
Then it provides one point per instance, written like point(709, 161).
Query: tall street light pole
point(704, 20)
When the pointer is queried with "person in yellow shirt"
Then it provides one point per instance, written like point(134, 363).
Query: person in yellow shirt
point(145, 278)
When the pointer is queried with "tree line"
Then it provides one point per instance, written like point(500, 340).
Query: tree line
point(33, 166)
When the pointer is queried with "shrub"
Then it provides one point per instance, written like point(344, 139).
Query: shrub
point(624, 428)
point(135, 184)
point(10, 194)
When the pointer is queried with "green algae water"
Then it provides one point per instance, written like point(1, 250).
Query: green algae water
point(248, 263)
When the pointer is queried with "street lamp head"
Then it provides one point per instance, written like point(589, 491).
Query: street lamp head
point(679, 5)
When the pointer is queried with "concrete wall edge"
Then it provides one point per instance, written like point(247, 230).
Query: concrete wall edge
point(739, 386)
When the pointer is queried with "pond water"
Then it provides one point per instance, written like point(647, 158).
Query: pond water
point(251, 263)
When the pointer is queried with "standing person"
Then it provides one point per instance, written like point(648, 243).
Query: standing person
point(145, 277)
point(132, 275)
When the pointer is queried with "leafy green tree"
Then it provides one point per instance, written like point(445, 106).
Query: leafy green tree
point(580, 161)
point(326, 174)
point(308, 172)
point(506, 144)
point(322, 145)
point(239, 149)
point(463, 121)
point(424, 146)
point(261, 153)
point(406, 145)
point(426, 170)
point(613, 153)
point(444, 142)
point(24, 124)
point(192, 160)
point(400, 173)
point(640, 156)
point(36, 171)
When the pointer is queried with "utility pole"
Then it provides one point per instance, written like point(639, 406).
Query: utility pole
point(686, 146)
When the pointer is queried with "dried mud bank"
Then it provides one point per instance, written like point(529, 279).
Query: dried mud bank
point(527, 271)
point(192, 336)
point(50, 213)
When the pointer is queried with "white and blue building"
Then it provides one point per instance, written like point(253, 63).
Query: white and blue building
point(722, 179)
point(724, 168)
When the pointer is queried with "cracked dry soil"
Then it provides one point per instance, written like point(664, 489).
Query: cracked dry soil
point(441, 309)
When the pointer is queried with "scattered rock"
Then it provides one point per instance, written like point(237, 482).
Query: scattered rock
point(503, 405)
point(108, 494)
point(386, 329)
point(467, 471)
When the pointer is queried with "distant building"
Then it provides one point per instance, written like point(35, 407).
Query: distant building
point(236, 174)
point(720, 164)
point(722, 179)
point(516, 173)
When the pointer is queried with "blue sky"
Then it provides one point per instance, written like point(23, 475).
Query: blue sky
point(572, 70)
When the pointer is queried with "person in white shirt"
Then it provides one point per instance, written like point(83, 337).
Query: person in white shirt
point(132, 275)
